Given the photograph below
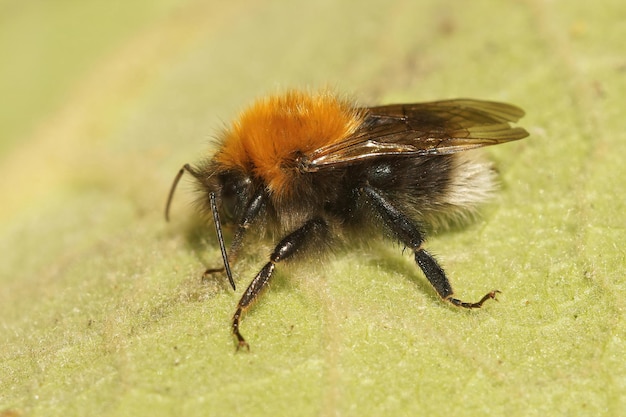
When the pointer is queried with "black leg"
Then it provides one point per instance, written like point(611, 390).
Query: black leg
point(409, 234)
point(313, 230)
point(254, 208)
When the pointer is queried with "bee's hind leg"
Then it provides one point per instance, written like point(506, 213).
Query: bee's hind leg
point(407, 232)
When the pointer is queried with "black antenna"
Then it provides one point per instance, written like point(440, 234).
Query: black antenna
point(216, 218)
point(187, 168)
point(220, 238)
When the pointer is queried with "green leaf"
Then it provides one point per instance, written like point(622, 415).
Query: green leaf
point(102, 306)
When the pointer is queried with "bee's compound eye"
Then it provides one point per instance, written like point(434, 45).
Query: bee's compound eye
point(235, 191)
point(229, 203)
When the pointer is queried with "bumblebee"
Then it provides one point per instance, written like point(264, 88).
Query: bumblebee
point(311, 167)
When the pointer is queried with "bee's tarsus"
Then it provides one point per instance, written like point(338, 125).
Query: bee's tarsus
point(479, 304)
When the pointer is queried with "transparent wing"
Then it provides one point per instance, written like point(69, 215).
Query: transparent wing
point(435, 128)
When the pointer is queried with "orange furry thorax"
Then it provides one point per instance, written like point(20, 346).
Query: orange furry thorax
point(268, 138)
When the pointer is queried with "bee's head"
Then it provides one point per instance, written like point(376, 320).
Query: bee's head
point(224, 193)
point(231, 190)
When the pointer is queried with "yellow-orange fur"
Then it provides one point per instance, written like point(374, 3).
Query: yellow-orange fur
point(269, 136)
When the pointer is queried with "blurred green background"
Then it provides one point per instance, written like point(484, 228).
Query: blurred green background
point(102, 310)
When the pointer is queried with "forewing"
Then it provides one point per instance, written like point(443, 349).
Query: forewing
point(435, 128)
